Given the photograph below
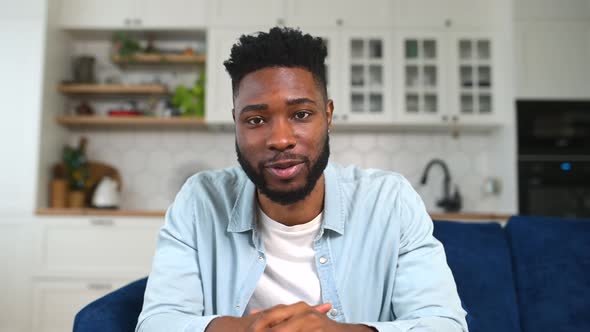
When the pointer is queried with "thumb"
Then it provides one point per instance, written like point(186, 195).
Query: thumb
point(323, 308)
point(254, 311)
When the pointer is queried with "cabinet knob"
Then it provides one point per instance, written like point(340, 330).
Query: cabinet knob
point(448, 23)
point(344, 117)
point(281, 21)
point(455, 118)
point(102, 222)
point(445, 118)
point(339, 22)
point(137, 22)
point(127, 21)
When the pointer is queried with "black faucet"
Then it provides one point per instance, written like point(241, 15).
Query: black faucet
point(448, 203)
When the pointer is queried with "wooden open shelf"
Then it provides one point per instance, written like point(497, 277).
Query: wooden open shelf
point(113, 89)
point(127, 121)
point(149, 58)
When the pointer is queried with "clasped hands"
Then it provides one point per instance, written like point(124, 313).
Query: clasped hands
point(298, 317)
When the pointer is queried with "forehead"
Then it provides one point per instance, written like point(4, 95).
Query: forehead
point(277, 82)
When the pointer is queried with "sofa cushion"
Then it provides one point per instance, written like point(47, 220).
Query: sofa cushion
point(115, 312)
point(478, 254)
point(552, 271)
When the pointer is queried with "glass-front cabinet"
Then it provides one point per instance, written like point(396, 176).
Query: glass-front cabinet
point(446, 77)
point(367, 78)
point(421, 78)
point(474, 77)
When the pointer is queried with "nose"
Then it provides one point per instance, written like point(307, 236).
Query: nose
point(281, 136)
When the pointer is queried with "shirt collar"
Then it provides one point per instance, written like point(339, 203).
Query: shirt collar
point(243, 217)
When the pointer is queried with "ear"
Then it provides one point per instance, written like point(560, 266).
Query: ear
point(329, 112)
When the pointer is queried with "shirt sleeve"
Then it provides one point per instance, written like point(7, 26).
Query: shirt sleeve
point(425, 296)
point(173, 298)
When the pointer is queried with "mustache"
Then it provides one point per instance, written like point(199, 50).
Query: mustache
point(285, 156)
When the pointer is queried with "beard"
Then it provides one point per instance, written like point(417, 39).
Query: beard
point(315, 169)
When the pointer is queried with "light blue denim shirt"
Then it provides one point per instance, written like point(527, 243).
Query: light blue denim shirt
point(376, 258)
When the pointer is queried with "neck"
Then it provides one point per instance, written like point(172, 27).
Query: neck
point(297, 213)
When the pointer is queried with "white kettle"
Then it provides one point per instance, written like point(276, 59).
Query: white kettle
point(106, 195)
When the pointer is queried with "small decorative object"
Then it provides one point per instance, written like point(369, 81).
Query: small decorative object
point(84, 108)
point(83, 69)
point(106, 195)
point(190, 102)
point(58, 193)
point(77, 172)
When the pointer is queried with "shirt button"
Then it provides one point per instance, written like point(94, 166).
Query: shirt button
point(333, 312)
point(323, 260)
point(260, 258)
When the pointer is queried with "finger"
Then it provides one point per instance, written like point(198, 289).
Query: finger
point(324, 307)
point(255, 311)
point(279, 313)
point(310, 320)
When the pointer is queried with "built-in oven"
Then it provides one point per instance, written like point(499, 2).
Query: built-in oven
point(554, 158)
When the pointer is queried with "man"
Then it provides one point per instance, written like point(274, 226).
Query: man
point(290, 242)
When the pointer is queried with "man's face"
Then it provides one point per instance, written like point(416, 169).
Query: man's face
point(282, 122)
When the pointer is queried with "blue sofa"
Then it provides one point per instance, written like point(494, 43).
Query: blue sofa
point(531, 276)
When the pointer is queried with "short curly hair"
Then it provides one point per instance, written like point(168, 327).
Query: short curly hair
point(280, 47)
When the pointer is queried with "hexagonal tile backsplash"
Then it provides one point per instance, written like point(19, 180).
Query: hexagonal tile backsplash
point(155, 163)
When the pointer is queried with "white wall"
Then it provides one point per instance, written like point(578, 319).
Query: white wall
point(22, 26)
point(22, 32)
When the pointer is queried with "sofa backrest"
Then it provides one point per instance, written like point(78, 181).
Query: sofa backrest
point(552, 273)
point(478, 254)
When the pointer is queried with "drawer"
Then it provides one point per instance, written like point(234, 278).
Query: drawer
point(55, 303)
point(97, 247)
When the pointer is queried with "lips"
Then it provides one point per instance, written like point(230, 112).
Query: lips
point(285, 169)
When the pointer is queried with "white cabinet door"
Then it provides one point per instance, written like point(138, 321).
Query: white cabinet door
point(423, 77)
point(99, 14)
point(313, 13)
point(368, 13)
point(239, 13)
point(57, 302)
point(422, 13)
point(174, 14)
point(552, 59)
point(447, 13)
point(473, 13)
point(219, 97)
point(367, 76)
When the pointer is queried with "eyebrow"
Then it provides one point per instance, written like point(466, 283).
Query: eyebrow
point(264, 107)
point(298, 101)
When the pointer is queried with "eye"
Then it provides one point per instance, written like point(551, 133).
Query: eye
point(255, 121)
point(302, 115)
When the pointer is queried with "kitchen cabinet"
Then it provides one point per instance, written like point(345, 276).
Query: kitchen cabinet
point(331, 13)
point(447, 13)
point(253, 13)
point(133, 14)
point(552, 58)
point(80, 259)
point(447, 77)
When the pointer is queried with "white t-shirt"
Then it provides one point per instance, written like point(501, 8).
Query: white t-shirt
point(290, 275)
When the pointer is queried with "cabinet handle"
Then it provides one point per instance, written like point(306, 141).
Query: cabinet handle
point(102, 222)
point(96, 286)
